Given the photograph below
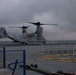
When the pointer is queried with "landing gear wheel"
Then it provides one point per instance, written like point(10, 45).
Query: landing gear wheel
point(22, 43)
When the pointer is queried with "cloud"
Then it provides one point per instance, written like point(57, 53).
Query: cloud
point(21, 10)
point(62, 12)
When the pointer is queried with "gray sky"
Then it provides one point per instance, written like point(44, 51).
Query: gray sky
point(62, 12)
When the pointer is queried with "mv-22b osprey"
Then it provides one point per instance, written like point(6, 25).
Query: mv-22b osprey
point(32, 38)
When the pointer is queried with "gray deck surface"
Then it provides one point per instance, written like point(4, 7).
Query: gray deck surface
point(5, 72)
point(32, 56)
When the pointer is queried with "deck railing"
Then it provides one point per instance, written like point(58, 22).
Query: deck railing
point(10, 56)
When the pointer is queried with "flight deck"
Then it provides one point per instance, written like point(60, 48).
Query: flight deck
point(51, 58)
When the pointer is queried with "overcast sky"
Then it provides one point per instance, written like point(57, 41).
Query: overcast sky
point(61, 12)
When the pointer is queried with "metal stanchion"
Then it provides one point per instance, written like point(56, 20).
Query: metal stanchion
point(24, 62)
point(4, 58)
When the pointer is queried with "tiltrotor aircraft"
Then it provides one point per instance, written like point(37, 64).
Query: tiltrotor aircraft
point(32, 38)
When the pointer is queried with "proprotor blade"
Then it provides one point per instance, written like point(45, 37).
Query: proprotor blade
point(32, 23)
point(38, 23)
point(48, 24)
point(23, 27)
point(14, 27)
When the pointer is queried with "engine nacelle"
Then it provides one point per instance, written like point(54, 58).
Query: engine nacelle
point(40, 31)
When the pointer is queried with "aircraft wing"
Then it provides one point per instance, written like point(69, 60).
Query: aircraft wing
point(12, 38)
point(17, 39)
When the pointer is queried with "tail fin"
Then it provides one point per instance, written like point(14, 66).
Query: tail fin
point(3, 32)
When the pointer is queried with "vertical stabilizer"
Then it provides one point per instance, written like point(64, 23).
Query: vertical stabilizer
point(3, 32)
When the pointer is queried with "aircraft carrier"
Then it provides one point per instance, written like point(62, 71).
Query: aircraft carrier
point(54, 56)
